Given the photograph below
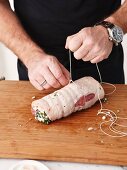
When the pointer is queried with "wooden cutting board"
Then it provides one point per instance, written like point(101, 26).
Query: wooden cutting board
point(68, 139)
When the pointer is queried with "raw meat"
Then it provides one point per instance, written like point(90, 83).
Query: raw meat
point(81, 94)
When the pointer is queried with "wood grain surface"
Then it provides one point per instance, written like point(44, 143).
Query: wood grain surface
point(68, 139)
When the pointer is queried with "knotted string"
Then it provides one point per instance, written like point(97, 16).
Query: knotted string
point(102, 111)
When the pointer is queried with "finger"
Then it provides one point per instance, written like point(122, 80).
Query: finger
point(40, 80)
point(98, 59)
point(57, 72)
point(93, 53)
point(89, 57)
point(68, 40)
point(36, 85)
point(47, 86)
point(75, 42)
point(82, 51)
point(51, 80)
point(65, 72)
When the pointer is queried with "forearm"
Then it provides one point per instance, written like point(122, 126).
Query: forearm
point(120, 17)
point(13, 35)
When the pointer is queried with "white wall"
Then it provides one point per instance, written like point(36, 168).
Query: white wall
point(8, 61)
point(8, 64)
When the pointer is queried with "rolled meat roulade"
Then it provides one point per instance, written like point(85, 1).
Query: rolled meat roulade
point(78, 95)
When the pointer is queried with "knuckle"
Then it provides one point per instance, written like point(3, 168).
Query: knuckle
point(77, 55)
point(82, 34)
point(83, 31)
point(65, 82)
point(90, 41)
point(59, 75)
point(50, 59)
point(106, 56)
point(105, 53)
point(97, 48)
point(72, 48)
point(92, 61)
point(85, 59)
point(53, 82)
point(100, 59)
point(68, 38)
point(86, 31)
point(103, 57)
point(57, 86)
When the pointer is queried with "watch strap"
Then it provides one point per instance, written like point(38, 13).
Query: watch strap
point(105, 24)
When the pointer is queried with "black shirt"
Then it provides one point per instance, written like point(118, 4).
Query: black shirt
point(49, 23)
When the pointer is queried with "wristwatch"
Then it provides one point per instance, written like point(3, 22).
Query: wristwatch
point(115, 32)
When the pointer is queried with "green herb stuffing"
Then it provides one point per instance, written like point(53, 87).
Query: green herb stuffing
point(42, 117)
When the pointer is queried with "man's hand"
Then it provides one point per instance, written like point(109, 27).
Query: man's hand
point(90, 44)
point(40, 66)
point(46, 67)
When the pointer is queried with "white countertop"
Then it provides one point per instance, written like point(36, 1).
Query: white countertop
point(5, 164)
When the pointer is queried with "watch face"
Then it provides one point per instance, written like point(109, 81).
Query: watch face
point(117, 34)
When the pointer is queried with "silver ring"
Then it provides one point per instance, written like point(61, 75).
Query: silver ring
point(43, 83)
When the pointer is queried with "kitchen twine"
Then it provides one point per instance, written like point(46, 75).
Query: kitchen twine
point(111, 115)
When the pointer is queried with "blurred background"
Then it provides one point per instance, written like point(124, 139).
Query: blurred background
point(8, 61)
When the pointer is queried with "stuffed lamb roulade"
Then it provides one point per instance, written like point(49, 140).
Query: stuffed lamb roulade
point(81, 94)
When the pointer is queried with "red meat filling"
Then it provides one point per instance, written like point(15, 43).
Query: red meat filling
point(84, 99)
